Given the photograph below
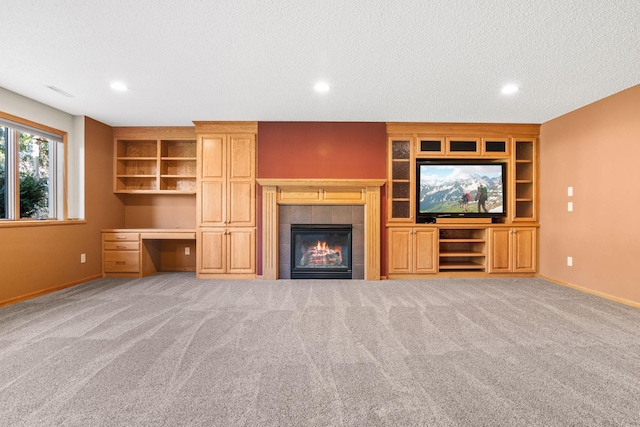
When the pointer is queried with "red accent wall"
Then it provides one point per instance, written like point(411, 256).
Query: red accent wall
point(323, 150)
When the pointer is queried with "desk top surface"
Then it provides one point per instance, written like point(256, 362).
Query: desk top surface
point(157, 233)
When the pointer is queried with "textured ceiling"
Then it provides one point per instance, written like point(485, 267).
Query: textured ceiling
point(408, 60)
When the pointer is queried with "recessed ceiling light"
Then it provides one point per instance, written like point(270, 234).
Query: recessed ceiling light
point(321, 87)
point(119, 86)
point(510, 89)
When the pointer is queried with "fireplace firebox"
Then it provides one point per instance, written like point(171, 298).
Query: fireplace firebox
point(321, 251)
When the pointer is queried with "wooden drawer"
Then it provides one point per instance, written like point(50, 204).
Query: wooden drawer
point(121, 246)
point(121, 262)
point(121, 237)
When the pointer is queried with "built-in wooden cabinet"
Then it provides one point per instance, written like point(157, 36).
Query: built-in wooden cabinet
point(228, 251)
point(513, 250)
point(496, 147)
point(154, 160)
point(462, 146)
point(144, 251)
point(461, 250)
point(227, 180)
point(412, 250)
point(401, 175)
point(226, 201)
point(121, 253)
point(462, 246)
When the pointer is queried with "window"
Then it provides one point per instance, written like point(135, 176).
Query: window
point(31, 167)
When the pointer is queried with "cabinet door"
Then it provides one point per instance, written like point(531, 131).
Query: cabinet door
point(401, 176)
point(501, 250)
point(241, 251)
point(241, 181)
point(513, 250)
point(212, 203)
point(424, 250)
point(524, 254)
point(213, 159)
point(463, 146)
point(400, 250)
point(212, 251)
point(213, 180)
point(241, 203)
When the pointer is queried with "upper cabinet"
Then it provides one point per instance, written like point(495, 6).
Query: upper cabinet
point(462, 146)
point(401, 171)
point(511, 145)
point(228, 179)
point(154, 160)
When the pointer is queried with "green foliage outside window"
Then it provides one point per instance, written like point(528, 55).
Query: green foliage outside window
point(33, 166)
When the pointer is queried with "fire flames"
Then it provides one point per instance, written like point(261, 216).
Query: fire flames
point(321, 254)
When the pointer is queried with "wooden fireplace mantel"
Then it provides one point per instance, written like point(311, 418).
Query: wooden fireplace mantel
point(277, 192)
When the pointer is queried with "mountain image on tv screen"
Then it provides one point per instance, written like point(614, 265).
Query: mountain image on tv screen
point(461, 189)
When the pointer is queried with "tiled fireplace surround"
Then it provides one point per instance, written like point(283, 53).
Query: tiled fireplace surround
point(321, 214)
point(326, 201)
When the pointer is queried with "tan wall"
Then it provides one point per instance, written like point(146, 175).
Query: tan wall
point(596, 150)
point(165, 211)
point(40, 258)
point(159, 211)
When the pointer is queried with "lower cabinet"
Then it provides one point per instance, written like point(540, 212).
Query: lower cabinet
point(467, 250)
point(121, 254)
point(412, 250)
point(513, 250)
point(227, 251)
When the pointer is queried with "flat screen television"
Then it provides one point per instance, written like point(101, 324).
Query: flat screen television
point(460, 189)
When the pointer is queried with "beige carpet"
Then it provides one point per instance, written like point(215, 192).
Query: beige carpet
point(171, 350)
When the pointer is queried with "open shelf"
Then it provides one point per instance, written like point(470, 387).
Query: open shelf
point(155, 165)
point(525, 209)
point(462, 249)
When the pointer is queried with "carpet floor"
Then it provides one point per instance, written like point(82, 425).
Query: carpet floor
point(171, 350)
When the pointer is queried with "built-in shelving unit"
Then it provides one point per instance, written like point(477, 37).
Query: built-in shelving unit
point(525, 194)
point(462, 249)
point(136, 165)
point(178, 165)
point(155, 160)
point(402, 171)
point(463, 246)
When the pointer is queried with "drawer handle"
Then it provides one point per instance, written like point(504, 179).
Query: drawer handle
point(120, 262)
point(121, 237)
point(120, 247)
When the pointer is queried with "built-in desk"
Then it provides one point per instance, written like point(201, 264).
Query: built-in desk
point(129, 252)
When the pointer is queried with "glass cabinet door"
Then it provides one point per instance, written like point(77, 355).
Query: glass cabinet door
point(400, 180)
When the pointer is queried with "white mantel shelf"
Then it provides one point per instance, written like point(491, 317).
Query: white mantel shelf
point(320, 192)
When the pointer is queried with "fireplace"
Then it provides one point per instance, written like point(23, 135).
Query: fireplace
point(321, 251)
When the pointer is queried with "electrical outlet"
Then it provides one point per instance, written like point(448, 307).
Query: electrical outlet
point(83, 258)
point(570, 206)
point(187, 250)
point(569, 191)
point(570, 261)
